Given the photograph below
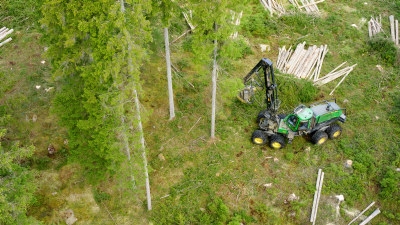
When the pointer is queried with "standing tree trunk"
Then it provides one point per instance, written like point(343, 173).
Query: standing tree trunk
point(137, 107)
point(169, 76)
point(214, 89)
point(143, 148)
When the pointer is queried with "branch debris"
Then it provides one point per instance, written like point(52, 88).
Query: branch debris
point(4, 32)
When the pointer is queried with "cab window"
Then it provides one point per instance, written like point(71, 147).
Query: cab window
point(303, 125)
point(292, 120)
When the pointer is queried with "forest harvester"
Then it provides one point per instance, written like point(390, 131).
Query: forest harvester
point(318, 122)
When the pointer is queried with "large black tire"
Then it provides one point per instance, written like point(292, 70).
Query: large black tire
point(261, 116)
point(334, 131)
point(259, 138)
point(319, 137)
point(276, 141)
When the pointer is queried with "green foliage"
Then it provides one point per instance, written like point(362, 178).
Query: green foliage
point(218, 211)
point(351, 185)
point(100, 196)
point(17, 185)
point(93, 56)
point(289, 156)
point(265, 215)
point(88, 62)
point(299, 23)
point(294, 91)
point(16, 14)
point(385, 49)
point(395, 108)
point(235, 49)
point(229, 89)
point(213, 23)
point(258, 23)
point(390, 185)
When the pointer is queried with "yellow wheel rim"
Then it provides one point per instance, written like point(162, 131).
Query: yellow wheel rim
point(336, 134)
point(276, 145)
point(321, 141)
point(258, 141)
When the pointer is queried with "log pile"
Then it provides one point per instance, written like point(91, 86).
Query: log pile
point(236, 21)
point(188, 19)
point(310, 6)
point(394, 29)
point(4, 32)
point(302, 62)
point(374, 26)
point(273, 6)
point(307, 63)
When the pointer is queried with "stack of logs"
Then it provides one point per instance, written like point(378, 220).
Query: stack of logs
point(236, 21)
point(394, 29)
point(310, 6)
point(3, 34)
point(374, 26)
point(273, 7)
point(301, 62)
point(307, 63)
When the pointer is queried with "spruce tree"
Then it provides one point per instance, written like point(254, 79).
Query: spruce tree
point(17, 185)
point(213, 27)
point(90, 43)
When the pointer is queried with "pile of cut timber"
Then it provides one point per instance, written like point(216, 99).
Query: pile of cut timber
point(236, 21)
point(307, 63)
point(188, 19)
point(310, 6)
point(273, 7)
point(3, 34)
point(301, 62)
point(394, 29)
point(374, 26)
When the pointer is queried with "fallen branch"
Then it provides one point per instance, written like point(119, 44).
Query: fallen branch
point(188, 20)
point(370, 217)
point(4, 32)
point(392, 31)
point(360, 214)
point(194, 125)
point(5, 42)
point(317, 195)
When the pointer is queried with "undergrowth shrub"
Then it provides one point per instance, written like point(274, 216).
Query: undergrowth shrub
point(258, 24)
point(385, 49)
point(389, 184)
point(293, 91)
point(395, 110)
point(20, 13)
point(265, 215)
point(235, 49)
point(297, 22)
point(100, 196)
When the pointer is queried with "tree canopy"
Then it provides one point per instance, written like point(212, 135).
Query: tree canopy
point(90, 44)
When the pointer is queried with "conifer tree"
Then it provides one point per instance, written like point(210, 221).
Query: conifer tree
point(213, 27)
point(17, 185)
point(89, 44)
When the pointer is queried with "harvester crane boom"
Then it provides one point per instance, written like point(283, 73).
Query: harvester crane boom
point(271, 92)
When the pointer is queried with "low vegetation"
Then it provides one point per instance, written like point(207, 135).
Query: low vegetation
point(227, 180)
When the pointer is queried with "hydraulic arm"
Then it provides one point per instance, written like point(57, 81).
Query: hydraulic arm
point(253, 83)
